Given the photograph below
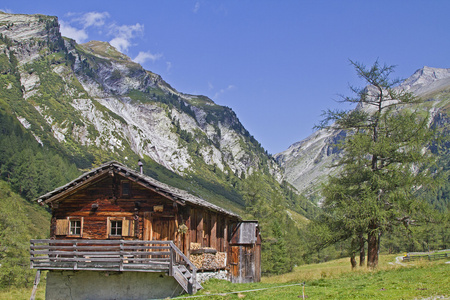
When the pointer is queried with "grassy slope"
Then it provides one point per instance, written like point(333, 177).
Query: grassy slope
point(335, 280)
point(20, 221)
point(331, 280)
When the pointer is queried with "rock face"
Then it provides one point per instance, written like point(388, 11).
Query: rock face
point(308, 163)
point(99, 104)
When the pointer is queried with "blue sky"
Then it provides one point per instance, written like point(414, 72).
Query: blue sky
point(277, 64)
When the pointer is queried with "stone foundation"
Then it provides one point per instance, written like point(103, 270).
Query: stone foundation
point(101, 285)
point(205, 276)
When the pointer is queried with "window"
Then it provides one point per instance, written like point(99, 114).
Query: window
point(126, 189)
point(120, 227)
point(75, 227)
point(116, 228)
point(69, 226)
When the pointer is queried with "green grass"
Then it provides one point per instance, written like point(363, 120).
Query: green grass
point(336, 280)
point(22, 293)
point(13, 293)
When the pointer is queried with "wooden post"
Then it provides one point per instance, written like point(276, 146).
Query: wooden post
point(35, 285)
point(192, 227)
point(213, 237)
point(187, 238)
point(32, 254)
point(171, 260)
point(75, 266)
point(225, 235)
point(199, 216)
point(121, 256)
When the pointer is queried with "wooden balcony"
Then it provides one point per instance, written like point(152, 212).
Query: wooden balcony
point(115, 255)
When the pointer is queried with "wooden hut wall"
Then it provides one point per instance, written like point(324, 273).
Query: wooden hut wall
point(210, 229)
point(103, 199)
point(106, 199)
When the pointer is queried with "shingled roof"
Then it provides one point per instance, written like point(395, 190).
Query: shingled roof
point(180, 196)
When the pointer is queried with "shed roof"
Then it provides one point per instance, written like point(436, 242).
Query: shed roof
point(177, 195)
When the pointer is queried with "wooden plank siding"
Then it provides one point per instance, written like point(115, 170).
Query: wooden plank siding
point(103, 201)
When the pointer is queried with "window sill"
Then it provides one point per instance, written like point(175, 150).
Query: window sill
point(115, 237)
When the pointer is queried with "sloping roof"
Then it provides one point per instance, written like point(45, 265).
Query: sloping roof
point(177, 195)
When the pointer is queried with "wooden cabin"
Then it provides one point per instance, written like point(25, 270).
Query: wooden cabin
point(116, 219)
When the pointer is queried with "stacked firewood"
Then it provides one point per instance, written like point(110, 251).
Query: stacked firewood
point(195, 246)
point(208, 260)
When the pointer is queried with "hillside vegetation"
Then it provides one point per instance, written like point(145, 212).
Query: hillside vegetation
point(336, 280)
point(20, 221)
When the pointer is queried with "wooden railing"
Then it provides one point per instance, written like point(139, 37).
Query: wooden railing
point(113, 255)
point(435, 255)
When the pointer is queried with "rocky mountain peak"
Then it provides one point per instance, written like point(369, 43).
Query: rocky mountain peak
point(307, 163)
point(105, 49)
point(25, 27)
point(427, 79)
point(95, 103)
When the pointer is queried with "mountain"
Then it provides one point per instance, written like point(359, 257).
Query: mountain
point(92, 103)
point(66, 107)
point(308, 163)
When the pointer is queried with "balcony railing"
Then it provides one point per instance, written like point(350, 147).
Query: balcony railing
point(114, 255)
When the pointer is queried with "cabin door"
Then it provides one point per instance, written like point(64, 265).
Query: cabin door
point(242, 264)
point(159, 228)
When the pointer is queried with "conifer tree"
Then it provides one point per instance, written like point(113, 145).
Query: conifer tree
point(383, 162)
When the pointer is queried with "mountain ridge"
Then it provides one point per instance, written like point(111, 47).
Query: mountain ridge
point(115, 81)
point(94, 104)
point(307, 163)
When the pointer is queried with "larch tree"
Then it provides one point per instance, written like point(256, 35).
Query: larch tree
point(383, 165)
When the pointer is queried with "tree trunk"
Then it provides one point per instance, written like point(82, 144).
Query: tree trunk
point(353, 261)
point(362, 252)
point(372, 246)
point(353, 253)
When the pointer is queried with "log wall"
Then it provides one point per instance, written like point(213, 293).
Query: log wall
point(146, 215)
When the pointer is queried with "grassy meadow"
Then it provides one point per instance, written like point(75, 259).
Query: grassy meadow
point(330, 280)
point(336, 280)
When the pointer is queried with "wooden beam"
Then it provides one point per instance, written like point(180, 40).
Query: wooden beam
point(200, 232)
point(35, 285)
point(213, 237)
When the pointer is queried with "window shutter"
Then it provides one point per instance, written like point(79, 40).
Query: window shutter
point(62, 227)
point(108, 227)
point(127, 227)
point(82, 225)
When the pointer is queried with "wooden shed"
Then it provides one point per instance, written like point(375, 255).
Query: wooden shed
point(245, 253)
point(118, 219)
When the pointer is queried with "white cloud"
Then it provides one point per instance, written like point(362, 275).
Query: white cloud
point(123, 35)
point(142, 57)
point(78, 26)
point(94, 19)
point(222, 91)
point(84, 21)
point(67, 30)
point(196, 7)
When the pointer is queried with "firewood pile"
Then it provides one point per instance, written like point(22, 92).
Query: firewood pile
point(195, 246)
point(208, 261)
